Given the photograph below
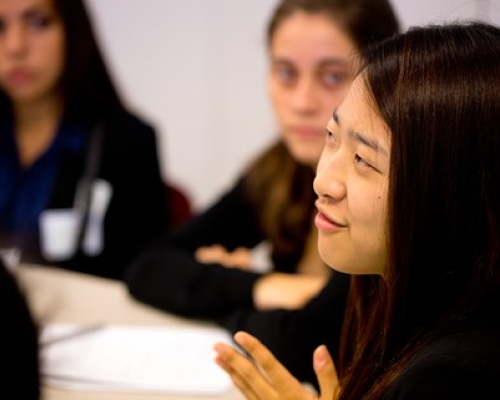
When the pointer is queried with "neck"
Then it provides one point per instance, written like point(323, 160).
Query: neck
point(35, 125)
point(33, 113)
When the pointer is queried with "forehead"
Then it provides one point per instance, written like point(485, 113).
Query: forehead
point(358, 113)
point(310, 35)
point(19, 6)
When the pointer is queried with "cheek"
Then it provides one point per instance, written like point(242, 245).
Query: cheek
point(368, 206)
point(277, 95)
point(331, 100)
point(326, 250)
point(376, 223)
point(54, 54)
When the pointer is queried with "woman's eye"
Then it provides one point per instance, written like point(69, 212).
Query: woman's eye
point(330, 137)
point(333, 79)
point(360, 161)
point(285, 75)
point(39, 22)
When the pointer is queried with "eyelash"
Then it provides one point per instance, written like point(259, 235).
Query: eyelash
point(359, 160)
point(39, 22)
point(329, 80)
point(333, 79)
point(330, 137)
point(35, 23)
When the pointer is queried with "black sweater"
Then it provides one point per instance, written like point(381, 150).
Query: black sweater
point(168, 277)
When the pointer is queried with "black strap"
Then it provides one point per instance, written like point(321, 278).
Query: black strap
point(84, 187)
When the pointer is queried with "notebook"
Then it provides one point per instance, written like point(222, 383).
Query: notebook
point(114, 358)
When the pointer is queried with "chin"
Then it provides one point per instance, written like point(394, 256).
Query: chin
point(340, 269)
point(326, 259)
point(306, 158)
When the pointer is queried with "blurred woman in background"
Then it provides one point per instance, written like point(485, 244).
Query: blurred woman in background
point(69, 147)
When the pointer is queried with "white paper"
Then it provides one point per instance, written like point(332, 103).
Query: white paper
point(130, 358)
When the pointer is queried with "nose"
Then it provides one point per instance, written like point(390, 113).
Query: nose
point(15, 40)
point(306, 96)
point(330, 180)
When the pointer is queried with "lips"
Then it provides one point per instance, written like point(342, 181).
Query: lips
point(325, 222)
point(19, 76)
point(308, 132)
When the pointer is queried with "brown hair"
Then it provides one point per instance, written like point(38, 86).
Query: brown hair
point(278, 186)
point(364, 21)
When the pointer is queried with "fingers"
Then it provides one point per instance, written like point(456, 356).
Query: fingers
point(240, 383)
point(243, 372)
point(326, 373)
point(263, 377)
point(271, 369)
point(239, 258)
point(284, 290)
point(209, 254)
point(258, 352)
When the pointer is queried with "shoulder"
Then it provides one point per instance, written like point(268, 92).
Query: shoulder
point(126, 125)
point(125, 131)
point(128, 142)
point(463, 365)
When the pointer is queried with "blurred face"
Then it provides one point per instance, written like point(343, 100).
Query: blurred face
point(31, 49)
point(309, 76)
point(352, 185)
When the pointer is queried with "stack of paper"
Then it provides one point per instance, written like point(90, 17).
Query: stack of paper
point(125, 358)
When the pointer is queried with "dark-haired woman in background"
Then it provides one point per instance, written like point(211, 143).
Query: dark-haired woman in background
point(67, 142)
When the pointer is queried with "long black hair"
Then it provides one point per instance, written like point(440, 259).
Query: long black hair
point(436, 88)
point(87, 89)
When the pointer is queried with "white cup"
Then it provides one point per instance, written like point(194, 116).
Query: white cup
point(59, 230)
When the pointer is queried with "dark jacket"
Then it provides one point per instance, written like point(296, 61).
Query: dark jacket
point(137, 209)
point(168, 277)
point(462, 364)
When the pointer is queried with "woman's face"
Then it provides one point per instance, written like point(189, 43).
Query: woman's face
point(31, 49)
point(352, 187)
point(309, 75)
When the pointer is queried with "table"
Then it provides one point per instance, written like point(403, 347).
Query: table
point(57, 295)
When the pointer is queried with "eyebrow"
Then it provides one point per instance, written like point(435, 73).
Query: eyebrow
point(322, 63)
point(31, 12)
point(361, 137)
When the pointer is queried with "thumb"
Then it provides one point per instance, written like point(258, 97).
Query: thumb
point(326, 373)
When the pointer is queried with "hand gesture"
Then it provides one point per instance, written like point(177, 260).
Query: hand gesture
point(263, 377)
point(288, 291)
point(238, 258)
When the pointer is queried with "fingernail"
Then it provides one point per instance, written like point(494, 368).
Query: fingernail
point(219, 348)
point(321, 357)
point(239, 337)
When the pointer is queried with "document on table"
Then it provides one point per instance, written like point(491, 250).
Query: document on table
point(134, 358)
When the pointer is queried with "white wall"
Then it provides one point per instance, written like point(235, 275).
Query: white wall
point(196, 70)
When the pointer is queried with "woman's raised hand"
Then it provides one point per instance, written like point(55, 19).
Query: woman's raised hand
point(262, 377)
